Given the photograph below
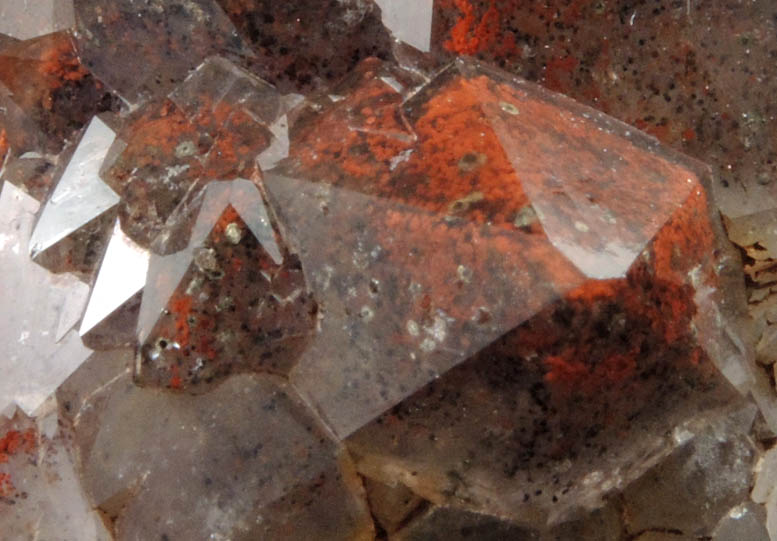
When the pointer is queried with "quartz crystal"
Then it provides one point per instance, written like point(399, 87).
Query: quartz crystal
point(212, 126)
point(164, 39)
point(22, 21)
point(72, 226)
point(110, 318)
point(40, 489)
point(387, 270)
point(42, 344)
point(46, 79)
point(224, 293)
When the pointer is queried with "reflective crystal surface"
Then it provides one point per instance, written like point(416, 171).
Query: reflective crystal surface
point(22, 20)
point(252, 463)
point(73, 223)
point(110, 317)
point(212, 126)
point(384, 270)
point(167, 38)
point(449, 240)
point(40, 312)
point(53, 89)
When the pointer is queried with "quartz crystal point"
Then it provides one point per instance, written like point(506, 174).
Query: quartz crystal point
point(409, 21)
point(247, 461)
point(40, 311)
point(224, 294)
point(401, 301)
point(213, 125)
point(111, 315)
point(520, 312)
point(74, 225)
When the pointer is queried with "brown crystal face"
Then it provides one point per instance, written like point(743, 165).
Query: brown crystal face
point(694, 76)
point(48, 82)
point(212, 126)
point(387, 298)
point(224, 294)
point(168, 40)
point(523, 315)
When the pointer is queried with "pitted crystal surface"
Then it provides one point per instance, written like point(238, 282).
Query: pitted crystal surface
point(223, 294)
point(47, 80)
point(169, 39)
point(308, 45)
point(213, 125)
point(451, 234)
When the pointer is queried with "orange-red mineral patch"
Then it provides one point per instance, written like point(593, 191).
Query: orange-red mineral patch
point(13, 443)
point(3, 145)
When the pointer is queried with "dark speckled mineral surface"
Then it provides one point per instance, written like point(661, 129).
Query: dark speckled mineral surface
point(385, 270)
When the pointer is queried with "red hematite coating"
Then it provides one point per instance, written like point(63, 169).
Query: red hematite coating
point(526, 280)
point(11, 443)
point(45, 78)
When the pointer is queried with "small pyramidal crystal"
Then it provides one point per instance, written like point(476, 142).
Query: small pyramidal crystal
point(224, 293)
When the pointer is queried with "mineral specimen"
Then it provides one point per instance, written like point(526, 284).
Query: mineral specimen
point(309, 270)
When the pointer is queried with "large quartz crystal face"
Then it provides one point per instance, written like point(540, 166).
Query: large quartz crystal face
point(529, 314)
point(22, 21)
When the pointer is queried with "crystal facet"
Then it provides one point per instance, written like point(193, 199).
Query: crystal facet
point(23, 20)
point(212, 126)
point(167, 38)
point(111, 315)
point(41, 487)
point(46, 79)
point(252, 464)
point(42, 346)
point(224, 294)
point(78, 207)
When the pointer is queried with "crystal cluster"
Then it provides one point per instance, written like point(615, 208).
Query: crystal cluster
point(305, 270)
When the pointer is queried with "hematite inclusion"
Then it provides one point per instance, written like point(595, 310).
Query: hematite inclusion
point(424, 299)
